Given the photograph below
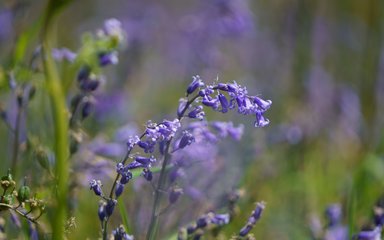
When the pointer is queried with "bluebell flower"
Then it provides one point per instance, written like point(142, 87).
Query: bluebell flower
point(111, 203)
point(181, 106)
point(335, 229)
point(186, 139)
point(145, 160)
point(224, 103)
point(101, 211)
point(261, 121)
point(211, 102)
point(95, 185)
point(147, 174)
point(238, 98)
point(132, 141)
point(108, 58)
point(119, 189)
point(125, 177)
point(196, 83)
point(197, 112)
point(120, 234)
point(374, 234)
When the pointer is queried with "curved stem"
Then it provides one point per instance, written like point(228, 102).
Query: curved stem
point(25, 215)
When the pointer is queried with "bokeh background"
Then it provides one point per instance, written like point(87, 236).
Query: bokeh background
point(320, 62)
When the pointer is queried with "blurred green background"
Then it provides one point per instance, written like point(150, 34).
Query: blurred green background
point(320, 62)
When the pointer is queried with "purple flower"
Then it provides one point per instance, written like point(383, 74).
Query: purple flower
point(263, 104)
point(101, 211)
point(197, 112)
point(261, 121)
point(211, 102)
point(111, 203)
point(120, 234)
point(186, 139)
point(224, 103)
point(125, 177)
point(108, 58)
point(196, 83)
point(334, 214)
point(119, 189)
point(181, 107)
point(374, 234)
point(145, 161)
point(95, 185)
point(147, 174)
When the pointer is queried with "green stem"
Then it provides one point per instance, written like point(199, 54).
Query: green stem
point(60, 117)
point(152, 231)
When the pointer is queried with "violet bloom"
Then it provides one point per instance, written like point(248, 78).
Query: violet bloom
point(374, 234)
point(120, 234)
point(230, 96)
point(196, 83)
point(186, 139)
point(101, 211)
point(108, 58)
point(156, 133)
point(95, 185)
point(335, 229)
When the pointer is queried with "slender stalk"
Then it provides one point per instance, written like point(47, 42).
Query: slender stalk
point(152, 231)
point(23, 214)
point(60, 116)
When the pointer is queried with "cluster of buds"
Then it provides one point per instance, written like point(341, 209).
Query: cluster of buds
point(98, 51)
point(20, 201)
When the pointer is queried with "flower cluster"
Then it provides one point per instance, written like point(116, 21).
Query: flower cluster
point(169, 137)
point(20, 201)
point(222, 97)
